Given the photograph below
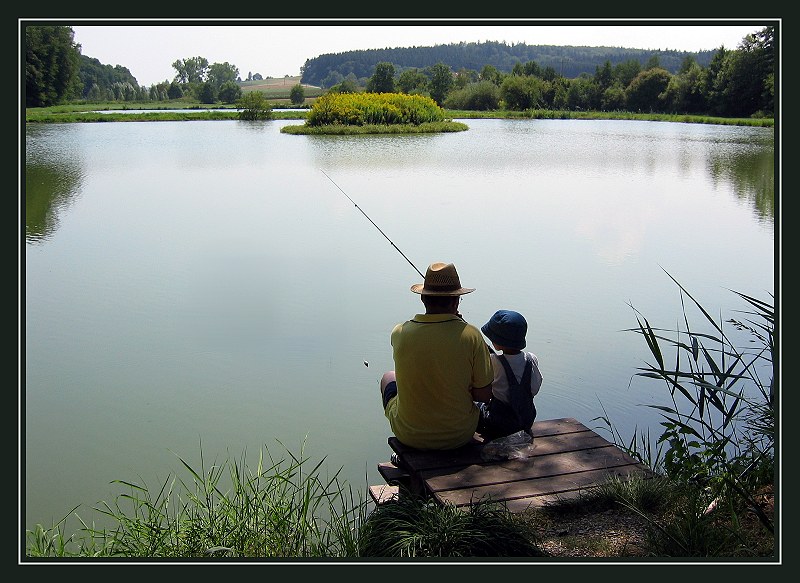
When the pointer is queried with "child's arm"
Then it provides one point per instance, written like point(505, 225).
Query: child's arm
point(482, 394)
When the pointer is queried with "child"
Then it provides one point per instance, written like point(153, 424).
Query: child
point(517, 378)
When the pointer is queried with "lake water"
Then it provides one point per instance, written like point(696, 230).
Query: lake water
point(203, 287)
point(195, 110)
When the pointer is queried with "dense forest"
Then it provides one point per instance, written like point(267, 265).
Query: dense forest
point(727, 82)
point(568, 61)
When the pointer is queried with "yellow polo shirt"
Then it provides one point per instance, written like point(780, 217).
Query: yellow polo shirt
point(438, 358)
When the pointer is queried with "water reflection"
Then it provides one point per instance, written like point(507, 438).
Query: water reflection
point(50, 189)
point(51, 179)
point(751, 171)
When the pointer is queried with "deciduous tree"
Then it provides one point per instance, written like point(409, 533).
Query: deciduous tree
point(643, 93)
point(411, 81)
point(297, 94)
point(52, 62)
point(221, 73)
point(230, 92)
point(191, 70)
point(382, 81)
point(441, 82)
point(254, 106)
point(207, 93)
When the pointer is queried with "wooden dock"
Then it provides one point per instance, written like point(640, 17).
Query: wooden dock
point(565, 460)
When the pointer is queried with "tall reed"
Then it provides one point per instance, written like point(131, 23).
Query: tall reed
point(718, 437)
point(283, 508)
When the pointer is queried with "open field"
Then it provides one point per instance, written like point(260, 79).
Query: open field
point(270, 83)
point(277, 88)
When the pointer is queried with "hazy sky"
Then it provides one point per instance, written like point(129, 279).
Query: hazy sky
point(275, 48)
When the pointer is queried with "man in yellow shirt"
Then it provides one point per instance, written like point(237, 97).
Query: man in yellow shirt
point(442, 367)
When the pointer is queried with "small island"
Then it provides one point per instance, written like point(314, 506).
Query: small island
point(374, 113)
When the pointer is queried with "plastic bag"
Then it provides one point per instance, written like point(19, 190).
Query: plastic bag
point(518, 445)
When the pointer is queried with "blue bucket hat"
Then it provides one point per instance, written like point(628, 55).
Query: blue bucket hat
point(506, 328)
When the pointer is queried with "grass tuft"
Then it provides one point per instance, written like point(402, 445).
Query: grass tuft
point(282, 508)
point(413, 527)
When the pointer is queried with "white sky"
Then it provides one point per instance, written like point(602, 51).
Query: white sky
point(275, 48)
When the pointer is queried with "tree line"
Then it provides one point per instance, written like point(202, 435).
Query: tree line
point(732, 83)
point(568, 61)
point(56, 72)
point(735, 83)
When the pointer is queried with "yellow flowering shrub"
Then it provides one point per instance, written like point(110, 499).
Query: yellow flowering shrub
point(373, 109)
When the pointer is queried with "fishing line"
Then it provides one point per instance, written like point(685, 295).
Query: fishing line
point(373, 222)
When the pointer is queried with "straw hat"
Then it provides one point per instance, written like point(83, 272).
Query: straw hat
point(441, 279)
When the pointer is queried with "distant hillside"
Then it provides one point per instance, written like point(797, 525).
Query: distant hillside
point(569, 61)
point(269, 83)
point(92, 72)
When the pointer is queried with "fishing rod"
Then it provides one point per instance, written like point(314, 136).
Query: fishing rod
point(373, 222)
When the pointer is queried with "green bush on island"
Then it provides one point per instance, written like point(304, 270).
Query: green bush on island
point(254, 106)
point(361, 109)
point(374, 113)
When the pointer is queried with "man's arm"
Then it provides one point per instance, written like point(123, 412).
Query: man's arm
point(483, 394)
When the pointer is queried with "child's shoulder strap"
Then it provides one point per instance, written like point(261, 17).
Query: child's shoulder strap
point(512, 378)
point(526, 374)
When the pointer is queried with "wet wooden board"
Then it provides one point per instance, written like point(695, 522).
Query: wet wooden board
point(383, 493)
point(566, 458)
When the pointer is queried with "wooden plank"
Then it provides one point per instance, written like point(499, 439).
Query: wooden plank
point(383, 493)
point(566, 459)
point(417, 458)
point(513, 470)
point(550, 486)
point(391, 473)
point(421, 460)
point(540, 429)
point(557, 427)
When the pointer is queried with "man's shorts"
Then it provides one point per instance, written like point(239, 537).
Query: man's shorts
point(389, 393)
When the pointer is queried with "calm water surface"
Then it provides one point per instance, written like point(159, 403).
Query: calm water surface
point(203, 287)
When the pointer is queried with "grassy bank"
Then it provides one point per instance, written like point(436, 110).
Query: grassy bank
point(151, 111)
point(425, 128)
point(552, 114)
point(288, 509)
point(85, 113)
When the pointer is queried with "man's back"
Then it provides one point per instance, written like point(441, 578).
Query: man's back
point(438, 359)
